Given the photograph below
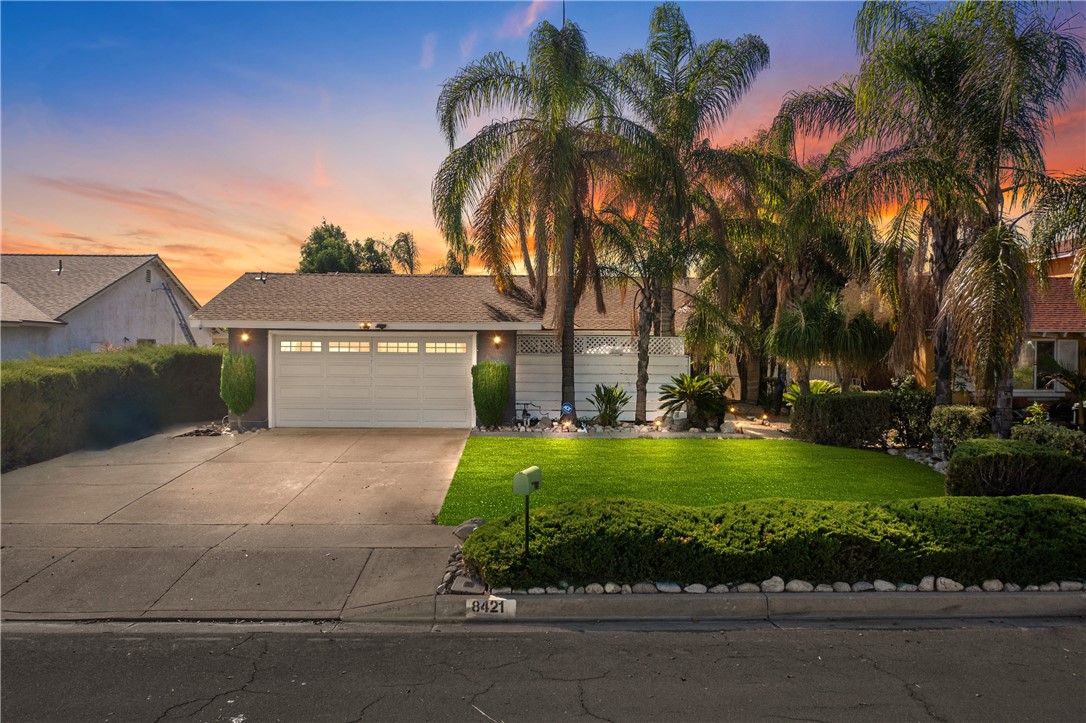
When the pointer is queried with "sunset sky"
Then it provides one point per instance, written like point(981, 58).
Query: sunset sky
point(218, 134)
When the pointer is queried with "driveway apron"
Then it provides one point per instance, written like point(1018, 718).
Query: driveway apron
point(278, 524)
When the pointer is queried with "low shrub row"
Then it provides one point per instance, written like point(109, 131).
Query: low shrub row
point(55, 405)
point(1020, 539)
point(1000, 467)
point(1052, 436)
point(856, 419)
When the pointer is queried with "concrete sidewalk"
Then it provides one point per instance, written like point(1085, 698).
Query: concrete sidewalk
point(280, 524)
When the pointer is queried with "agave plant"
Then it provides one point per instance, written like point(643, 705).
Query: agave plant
point(609, 402)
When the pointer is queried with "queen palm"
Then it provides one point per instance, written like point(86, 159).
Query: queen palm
point(682, 91)
point(952, 106)
point(537, 167)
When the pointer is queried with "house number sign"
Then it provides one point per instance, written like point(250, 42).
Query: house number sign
point(491, 608)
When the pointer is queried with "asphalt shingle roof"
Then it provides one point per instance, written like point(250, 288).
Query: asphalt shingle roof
point(14, 308)
point(376, 298)
point(35, 279)
point(1056, 310)
point(396, 298)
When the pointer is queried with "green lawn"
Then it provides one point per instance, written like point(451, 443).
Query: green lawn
point(695, 472)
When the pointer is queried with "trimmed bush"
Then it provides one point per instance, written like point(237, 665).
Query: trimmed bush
point(818, 386)
point(910, 411)
point(1018, 539)
point(55, 405)
point(490, 388)
point(855, 419)
point(955, 423)
point(1053, 436)
point(1001, 467)
point(237, 387)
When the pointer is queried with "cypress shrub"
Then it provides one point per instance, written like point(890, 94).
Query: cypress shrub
point(955, 423)
point(856, 419)
point(1002, 467)
point(1030, 539)
point(237, 386)
point(490, 389)
point(55, 405)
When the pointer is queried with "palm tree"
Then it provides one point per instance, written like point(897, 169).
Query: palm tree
point(951, 106)
point(806, 333)
point(540, 166)
point(404, 252)
point(632, 251)
point(682, 91)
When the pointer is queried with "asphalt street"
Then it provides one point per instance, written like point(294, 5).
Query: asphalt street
point(1031, 670)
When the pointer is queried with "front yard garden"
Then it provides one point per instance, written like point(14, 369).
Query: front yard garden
point(691, 472)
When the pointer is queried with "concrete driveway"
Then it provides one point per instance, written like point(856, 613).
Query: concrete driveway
point(279, 524)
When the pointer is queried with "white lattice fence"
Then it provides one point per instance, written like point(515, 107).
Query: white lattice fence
point(597, 344)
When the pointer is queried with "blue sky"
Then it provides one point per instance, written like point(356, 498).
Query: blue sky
point(218, 134)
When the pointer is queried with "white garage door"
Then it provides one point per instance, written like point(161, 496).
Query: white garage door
point(372, 380)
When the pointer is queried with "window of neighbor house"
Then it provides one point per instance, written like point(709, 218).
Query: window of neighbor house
point(1039, 356)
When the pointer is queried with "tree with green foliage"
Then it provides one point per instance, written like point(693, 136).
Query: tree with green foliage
point(327, 251)
point(490, 390)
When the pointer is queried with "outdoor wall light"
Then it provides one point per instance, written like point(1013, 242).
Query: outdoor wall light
point(381, 327)
point(497, 341)
point(363, 325)
point(245, 337)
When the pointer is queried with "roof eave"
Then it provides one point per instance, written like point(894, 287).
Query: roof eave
point(482, 325)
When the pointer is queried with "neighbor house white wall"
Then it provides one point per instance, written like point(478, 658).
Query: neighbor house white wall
point(132, 308)
point(539, 379)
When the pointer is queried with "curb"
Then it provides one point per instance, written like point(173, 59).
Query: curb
point(773, 606)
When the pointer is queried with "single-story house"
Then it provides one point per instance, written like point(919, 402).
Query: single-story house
point(375, 350)
point(55, 304)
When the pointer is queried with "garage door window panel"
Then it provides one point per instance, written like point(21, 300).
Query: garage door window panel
point(299, 346)
point(349, 347)
point(397, 347)
point(446, 347)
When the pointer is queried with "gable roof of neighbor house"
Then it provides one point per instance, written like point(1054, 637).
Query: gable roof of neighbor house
point(34, 279)
point(15, 309)
point(1056, 309)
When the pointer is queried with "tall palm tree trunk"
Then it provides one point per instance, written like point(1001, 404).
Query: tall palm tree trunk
point(1003, 418)
point(944, 243)
point(567, 277)
point(644, 328)
point(667, 307)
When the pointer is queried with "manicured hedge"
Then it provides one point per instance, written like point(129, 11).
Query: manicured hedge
point(843, 420)
point(956, 423)
point(999, 467)
point(55, 405)
point(1025, 540)
point(1052, 436)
